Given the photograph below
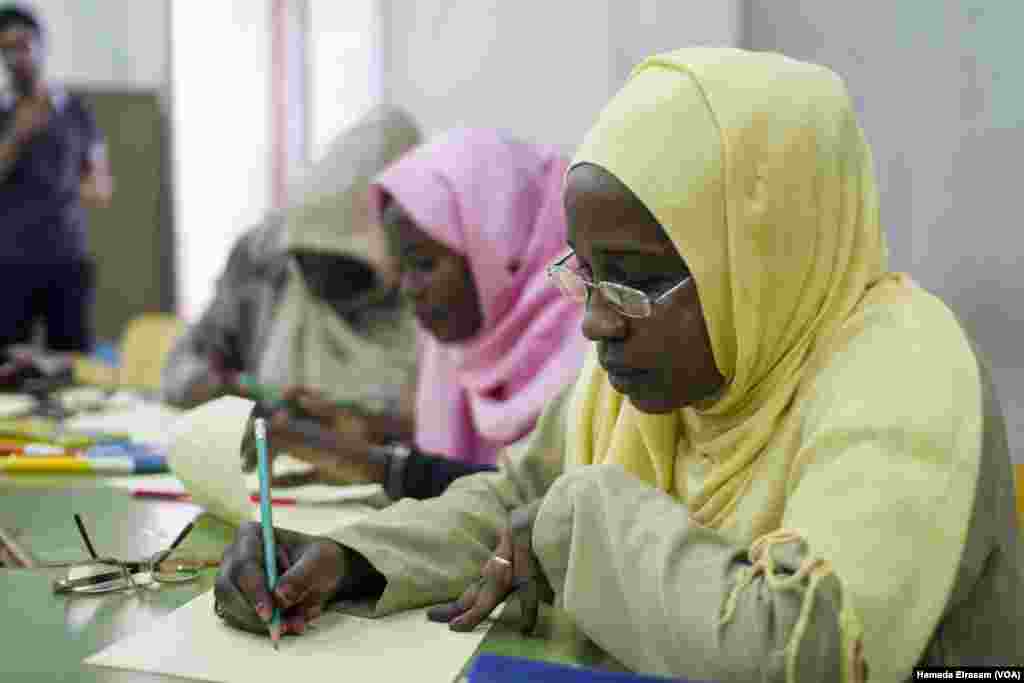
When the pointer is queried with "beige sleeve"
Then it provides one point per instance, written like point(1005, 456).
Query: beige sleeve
point(430, 550)
point(667, 597)
point(889, 553)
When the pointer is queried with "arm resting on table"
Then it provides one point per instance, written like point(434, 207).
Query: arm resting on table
point(430, 550)
point(666, 596)
point(190, 364)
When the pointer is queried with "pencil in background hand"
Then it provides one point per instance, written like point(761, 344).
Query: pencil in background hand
point(183, 497)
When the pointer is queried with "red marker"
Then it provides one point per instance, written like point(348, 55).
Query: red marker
point(186, 498)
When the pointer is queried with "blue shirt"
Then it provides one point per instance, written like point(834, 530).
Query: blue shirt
point(41, 217)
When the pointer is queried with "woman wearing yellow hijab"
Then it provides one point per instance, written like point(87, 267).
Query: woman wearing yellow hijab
point(782, 461)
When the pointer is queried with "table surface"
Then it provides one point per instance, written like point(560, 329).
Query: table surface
point(45, 636)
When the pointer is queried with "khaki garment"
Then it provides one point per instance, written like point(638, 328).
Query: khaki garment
point(664, 596)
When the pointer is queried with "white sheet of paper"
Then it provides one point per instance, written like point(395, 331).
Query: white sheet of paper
point(193, 643)
point(204, 455)
point(16, 405)
point(308, 494)
point(310, 518)
point(323, 494)
point(162, 483)
point(146, 422)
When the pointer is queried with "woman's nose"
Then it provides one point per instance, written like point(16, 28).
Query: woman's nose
point(600, 321)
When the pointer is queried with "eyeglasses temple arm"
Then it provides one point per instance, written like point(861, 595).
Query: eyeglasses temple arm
point(85, 536)
point(663, 295)
point(181, 535)
point(68, 585)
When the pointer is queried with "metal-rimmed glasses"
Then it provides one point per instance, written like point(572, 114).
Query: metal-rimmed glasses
point(109, 575)
point(628, 301)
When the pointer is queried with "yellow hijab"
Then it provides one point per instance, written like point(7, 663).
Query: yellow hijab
point(755, 166)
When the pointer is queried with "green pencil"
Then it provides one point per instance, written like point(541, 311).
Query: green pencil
point(267, 523)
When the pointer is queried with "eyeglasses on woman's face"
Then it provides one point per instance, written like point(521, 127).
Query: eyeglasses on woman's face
point(628, 301)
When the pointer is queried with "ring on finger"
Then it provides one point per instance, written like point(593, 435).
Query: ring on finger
point(502, 561)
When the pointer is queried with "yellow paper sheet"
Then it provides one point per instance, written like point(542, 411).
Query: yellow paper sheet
point(204, 455)
point(193, 643)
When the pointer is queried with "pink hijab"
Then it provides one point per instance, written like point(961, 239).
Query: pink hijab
point(498, 202)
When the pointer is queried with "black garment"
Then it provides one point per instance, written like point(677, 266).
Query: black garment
point(42, 216)
point(427, 476)
point(45, 270)
point(61, 294)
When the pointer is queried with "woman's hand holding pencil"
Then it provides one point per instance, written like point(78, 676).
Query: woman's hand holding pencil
point(248, 593)
point(312, 569)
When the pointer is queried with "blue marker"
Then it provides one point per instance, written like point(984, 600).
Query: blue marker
point(267, 523)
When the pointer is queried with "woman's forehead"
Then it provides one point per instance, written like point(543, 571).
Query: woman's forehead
point(594, 182)
point(601, 208)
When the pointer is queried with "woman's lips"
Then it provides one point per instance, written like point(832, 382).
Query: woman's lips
point(624, 378)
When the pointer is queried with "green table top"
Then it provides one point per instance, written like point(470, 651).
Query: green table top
point(46, 636)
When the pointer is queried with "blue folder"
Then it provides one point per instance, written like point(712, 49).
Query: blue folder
point(497, 669)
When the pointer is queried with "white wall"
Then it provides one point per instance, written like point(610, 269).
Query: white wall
point(344, 66)
point(540, 68)
point(107, 42)
point(941, 93)
point(221, 108)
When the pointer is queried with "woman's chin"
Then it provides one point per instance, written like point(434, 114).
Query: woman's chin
point(435, 328)
point(447, 330)
point(653, 405)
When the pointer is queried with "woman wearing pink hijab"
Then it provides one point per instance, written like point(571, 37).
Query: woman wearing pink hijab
point(477, 217)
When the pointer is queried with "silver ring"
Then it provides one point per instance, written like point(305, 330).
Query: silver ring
point(502, 560)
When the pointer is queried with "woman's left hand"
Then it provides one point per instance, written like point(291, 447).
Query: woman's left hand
point(345, 460)
point(513, 567)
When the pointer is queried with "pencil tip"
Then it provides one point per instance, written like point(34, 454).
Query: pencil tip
point(275, 635)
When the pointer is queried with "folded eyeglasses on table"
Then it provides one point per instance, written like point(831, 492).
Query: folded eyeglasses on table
point(101, 574)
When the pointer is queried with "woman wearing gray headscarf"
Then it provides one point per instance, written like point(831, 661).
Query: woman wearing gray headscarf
point(310, 296)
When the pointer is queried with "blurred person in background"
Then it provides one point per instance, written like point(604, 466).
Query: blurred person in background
point(309, 297)
point(52, 164)
point(477, 216)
